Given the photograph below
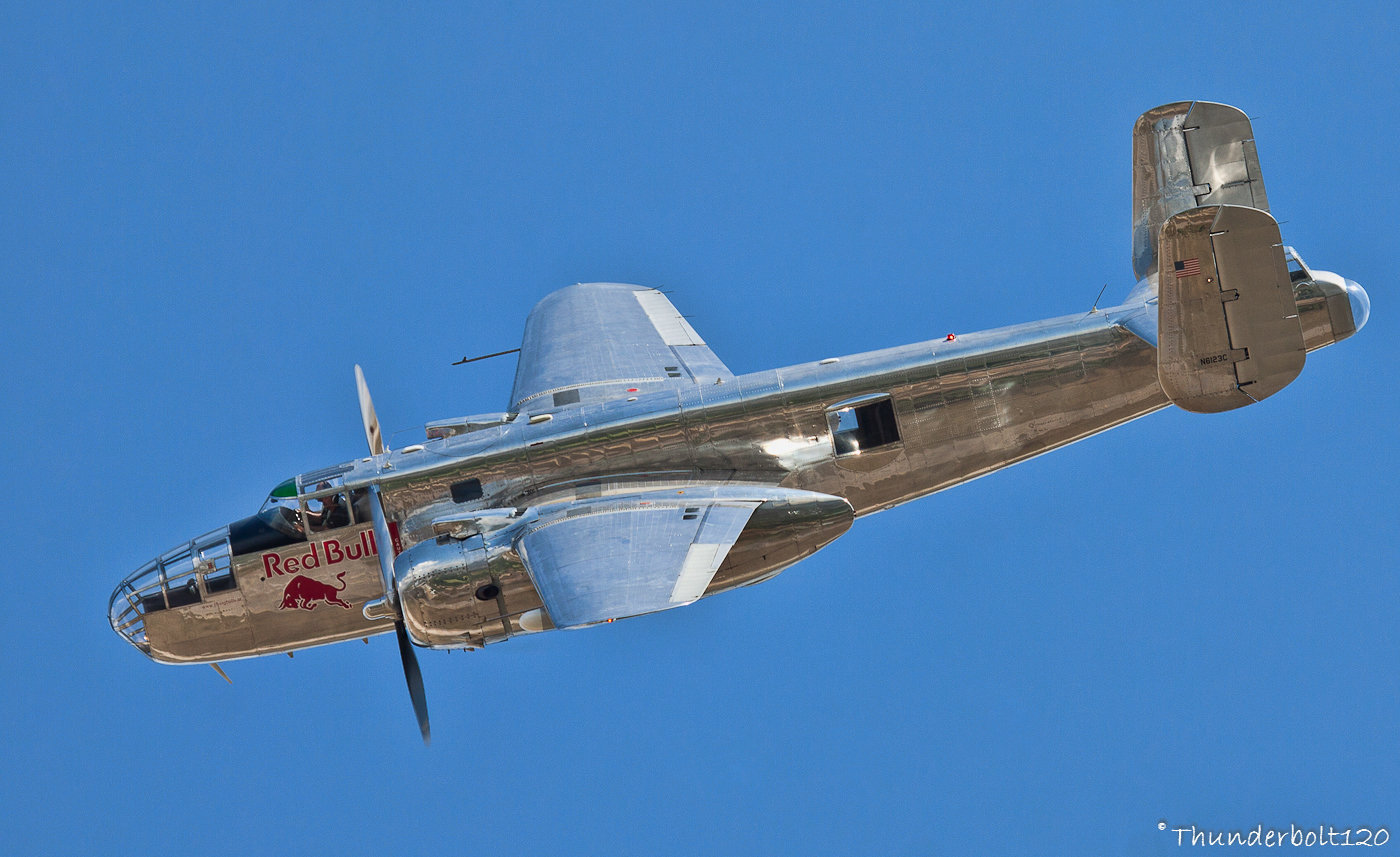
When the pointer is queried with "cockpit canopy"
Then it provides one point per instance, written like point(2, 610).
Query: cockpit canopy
point(280, 510)
point(308, 504)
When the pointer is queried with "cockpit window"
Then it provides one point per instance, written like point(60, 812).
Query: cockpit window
point(282, 512)
point(359, 501)
point(284, 490)
point(289, 513)
point(277, 523)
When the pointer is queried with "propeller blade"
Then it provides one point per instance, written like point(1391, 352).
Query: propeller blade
point(384, 542)
point(414, 677)
point(367, 415)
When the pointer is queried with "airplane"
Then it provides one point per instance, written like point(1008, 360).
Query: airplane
point(633, 472)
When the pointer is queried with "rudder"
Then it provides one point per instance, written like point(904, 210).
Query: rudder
point(1228, 330)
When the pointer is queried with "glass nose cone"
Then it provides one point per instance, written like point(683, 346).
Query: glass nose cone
point(1360, 303)
point(179, 578)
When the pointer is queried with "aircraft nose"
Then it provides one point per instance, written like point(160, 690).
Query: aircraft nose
point(1360, 302)
point(180, 577)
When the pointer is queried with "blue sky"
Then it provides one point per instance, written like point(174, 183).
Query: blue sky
point(209, 216)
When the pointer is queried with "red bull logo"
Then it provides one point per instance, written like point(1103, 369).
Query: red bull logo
point(304, 593)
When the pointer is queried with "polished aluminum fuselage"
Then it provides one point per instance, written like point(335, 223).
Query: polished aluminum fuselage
point(620, 409)
point(964, 407)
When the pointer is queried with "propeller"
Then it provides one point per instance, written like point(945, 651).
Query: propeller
point(367, 415)
point(411, 673)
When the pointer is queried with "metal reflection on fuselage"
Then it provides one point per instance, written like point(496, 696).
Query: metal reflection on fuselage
point(621, 412)
point(962, 409)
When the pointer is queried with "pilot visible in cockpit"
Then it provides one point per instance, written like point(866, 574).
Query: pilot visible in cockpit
point(333, 514)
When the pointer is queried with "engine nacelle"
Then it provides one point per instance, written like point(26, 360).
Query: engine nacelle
point(462, 592)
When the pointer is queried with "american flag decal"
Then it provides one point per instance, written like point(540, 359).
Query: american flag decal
point(1188, 268)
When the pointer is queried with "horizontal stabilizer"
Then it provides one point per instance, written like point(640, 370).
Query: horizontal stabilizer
point(1228, 331)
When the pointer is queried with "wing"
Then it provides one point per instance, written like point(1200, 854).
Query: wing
point(1188, 154)
point(625, 556)
point(600, 341)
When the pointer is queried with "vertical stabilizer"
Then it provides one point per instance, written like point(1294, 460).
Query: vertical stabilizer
point(1228, 330)
point(1189, 154)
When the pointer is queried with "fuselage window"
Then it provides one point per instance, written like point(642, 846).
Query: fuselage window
point(220, 580)
point(183, 593)
point(181, 584)
point(466, 491)
point(861, 428)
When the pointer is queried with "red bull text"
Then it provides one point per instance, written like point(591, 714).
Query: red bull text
point(329, 551)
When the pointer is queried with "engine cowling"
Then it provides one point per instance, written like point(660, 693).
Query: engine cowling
point(458, 592)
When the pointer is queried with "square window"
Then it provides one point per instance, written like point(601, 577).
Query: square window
point(861, 428)
point(220, 581)
point(466, 491)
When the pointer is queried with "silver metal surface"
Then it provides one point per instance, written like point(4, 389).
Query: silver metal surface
point(963, 409)
point(382, 537)
point(1188, 154)
point(491, 512)
point(588, 343)
point(462, 425)
point(1228, 318)
point(603, 559)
